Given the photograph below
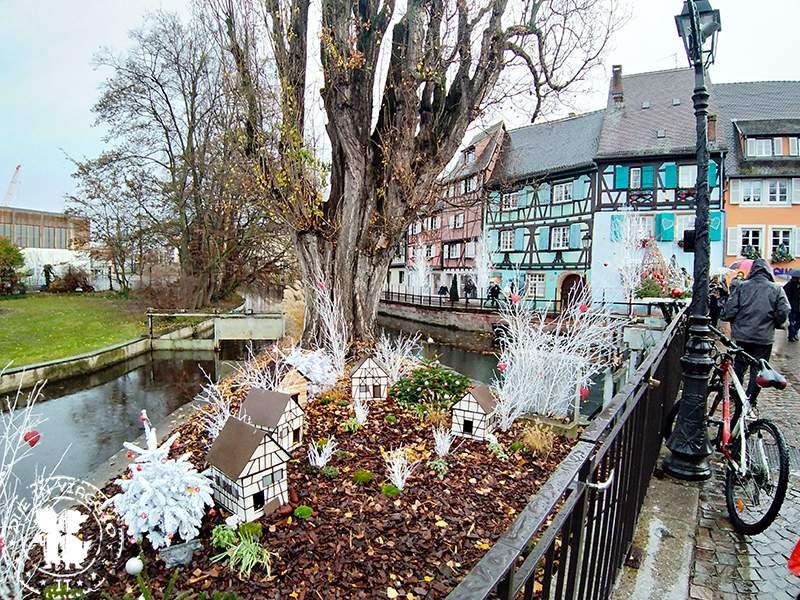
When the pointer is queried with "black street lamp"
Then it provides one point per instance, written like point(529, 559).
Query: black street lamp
point(697, 24)
point(586, 243)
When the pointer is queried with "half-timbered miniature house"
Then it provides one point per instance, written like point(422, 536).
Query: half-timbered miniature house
point(539, 208)
point(277, 413)
point(295, 383)
point(248, 470)
point(473, 415)
point(370, 379)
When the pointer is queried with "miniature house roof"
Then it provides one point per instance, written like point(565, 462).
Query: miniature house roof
point(235, 446)
point(264, 408)
point(294, 373)
point(483, 396)
point(369, 361)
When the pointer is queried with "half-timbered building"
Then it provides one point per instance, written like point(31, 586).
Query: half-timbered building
point(276, 413)
point(473, 414)
point(646, 161)
point(369, 379)
point(539, 209)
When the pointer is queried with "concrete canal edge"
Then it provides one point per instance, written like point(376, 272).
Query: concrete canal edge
point(89, 362)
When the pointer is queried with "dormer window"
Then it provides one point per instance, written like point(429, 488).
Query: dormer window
point(469, 154)
point(759, 147)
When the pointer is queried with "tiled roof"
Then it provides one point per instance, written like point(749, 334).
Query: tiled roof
point(656, 116)
point(235, 445)
point(749, 102)
point(545, 147)
point(265, 407)
point(461, 170)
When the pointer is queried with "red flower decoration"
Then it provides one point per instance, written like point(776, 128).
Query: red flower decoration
point(583, 307)
point(129, 454)
point(584, 392)
point(515, 298)
point(2, 545)
point(212, 512)
point(501, 366)
point(32, 437)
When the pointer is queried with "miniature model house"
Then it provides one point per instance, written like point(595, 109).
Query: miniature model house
point(248, 470)
point(276, 413)
point(473, 415)
point(294, 382)
point(370, 380)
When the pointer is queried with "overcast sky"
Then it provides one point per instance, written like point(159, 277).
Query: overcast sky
point(47, 83)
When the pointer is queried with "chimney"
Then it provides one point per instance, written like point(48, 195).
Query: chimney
point(712, 128)
point(616, 84)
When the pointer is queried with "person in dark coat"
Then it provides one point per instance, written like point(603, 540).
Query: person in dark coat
point(755, 308)
point(494, 294)
point(717, 294)
point(792, 291)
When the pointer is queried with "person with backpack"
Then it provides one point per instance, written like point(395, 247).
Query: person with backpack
point(792, 291)
point(755, 308)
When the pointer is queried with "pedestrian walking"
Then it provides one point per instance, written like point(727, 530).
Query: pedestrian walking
point(717, 295)
point(792, 290)
point(737, 280)
point(494, 294)
point(755, 308)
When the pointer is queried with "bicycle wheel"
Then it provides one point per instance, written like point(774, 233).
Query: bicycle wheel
point(754, 499)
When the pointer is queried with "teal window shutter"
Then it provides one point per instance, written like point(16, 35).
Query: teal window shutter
point(575, 236)
point(616, 227)
point(494, 240)
point(519, 236)
point(648, 173)
point(544, 193)
point(524, 197)
point(712, 174)
point(577, 189)
point(715, 224)
point(670, 175)
point(494, 200)
point(621, 177)
point(544, 238)
point(665, 227)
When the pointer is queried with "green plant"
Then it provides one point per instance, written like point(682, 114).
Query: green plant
point(440, 466)
point(431, 385)
point(498, 450)
point(343, 455)
point(390, 419)
point(325, 400)
point(343, 403)
point(516, 446)
point(223, 536)
point(781, 254)
point(303, 511)
point(649, 288)
point(11, 260)
point(751, 252)
point(420, 410)
point(252, 528)
point(389, 489)
point(330, 472)
point(363, 477)
point(351, 425)
point(246, 555)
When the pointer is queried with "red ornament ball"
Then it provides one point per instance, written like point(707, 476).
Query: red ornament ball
point(32, 437)
point(212, 512)
point(583, 307)
point(501, 366)
point(677, 292)
point(129, 454)
point(2, 545)
point(584, 392)
point(138, 467)
point(515, 298)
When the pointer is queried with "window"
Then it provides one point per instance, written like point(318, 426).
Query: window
point(458, 221)
point(469, 154)
point(751, 191)
point(506, 240)
point(295, 435)
point(509, 201)
point(453, 251)
point(5, 230)
point(28, 236)
point(559, 238)
point(258, 500)
point(402, 277)
point(435, 221)
point(636, 178)
point(426, 223)
point(777, 146)
point(759, 147)
point(781, 236)
point(469, 250)
point(562, 192)
point(429, 251)
point(272, 478)
point(376, 390)
point(793, 142)
point(687, 176)
point(468, 426)
point(471, 183)
point(682, 223)
point(534, 285)
point(55, 237)
point(751, 237)
point(778, 191)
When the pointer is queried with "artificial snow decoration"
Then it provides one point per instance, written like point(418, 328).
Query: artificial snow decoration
point(473, 414)
point(320, 454)
point(165, 496)
point(134, 566)
point(633, 234)
point(214, 412)
point(276, 413)
point(397, 355)
point(316, 366)
point(361, 408)
point(398, 467)
point(248, 470)
point(370, 379)
point(442, 440)
point(483, 263)
point(419, 274)
point(549, 361)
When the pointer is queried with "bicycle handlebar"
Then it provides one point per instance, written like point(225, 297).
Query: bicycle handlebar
point(729, 343)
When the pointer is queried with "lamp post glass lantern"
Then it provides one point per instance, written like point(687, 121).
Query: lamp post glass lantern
point(698, 25)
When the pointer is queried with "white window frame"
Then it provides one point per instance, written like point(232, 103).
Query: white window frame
point(535, 284)
point(687, 176)
point(562, 192)
point(777, 197)
point(788, 234)
point(471, 184)
point(469, 249)
point(759, 147)
point(458, 220)
point(506, 240)
point(793, 146)
point(748, 189)
point(682, 223)
point(434, 223)
point(509, 201)
point(744, 229)
point(559, 238)
point(469, 154)
point(777, 146)
point(635, 178)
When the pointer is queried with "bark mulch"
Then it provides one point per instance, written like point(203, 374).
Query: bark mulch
point(359, 543)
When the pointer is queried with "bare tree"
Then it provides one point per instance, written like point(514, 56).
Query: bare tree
point(401, 87)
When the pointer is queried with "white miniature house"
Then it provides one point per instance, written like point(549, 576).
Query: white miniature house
point(248, 470)
point(370, 380)
point(277, 413)
point(294, 382)
point(473, 415)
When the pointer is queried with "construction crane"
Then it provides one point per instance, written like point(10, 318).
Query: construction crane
point(12, 187)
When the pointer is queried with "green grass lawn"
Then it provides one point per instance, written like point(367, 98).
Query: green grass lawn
point(40, 327)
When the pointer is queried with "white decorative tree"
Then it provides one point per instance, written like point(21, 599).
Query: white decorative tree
point(419, 274)
point(320, 454)
point(161, 496)
point(398, 354)
point(483, 263)
point(442, 440)
point(398, 467)
point(361, 408)
point(215, 410)
point(264, 373)
point(633, 233)
point(333, 333)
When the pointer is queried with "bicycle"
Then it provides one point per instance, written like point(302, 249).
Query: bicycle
point(757, 472)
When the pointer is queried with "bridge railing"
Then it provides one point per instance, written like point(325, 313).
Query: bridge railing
point(573, 536)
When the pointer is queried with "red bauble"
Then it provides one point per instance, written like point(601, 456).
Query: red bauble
point(212, 512)
point(138, 467)
point(584, 392)
point(677, 292)
point(2, 545)
point(501, 366)
point(129, 454)
point(583, 307)
point(32, 437)
point(515, 298)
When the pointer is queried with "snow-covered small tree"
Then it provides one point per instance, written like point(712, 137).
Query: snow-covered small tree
point(361, 408)
point(332, 335)
point(315, 365)
point(442, 440)
point(160, 496)
point(483, 263)
point(398, 354)
point(320, 455)
point(264, 373)
point(633, 234)
point(419, 274)
point(398, 467)
point(215, 409)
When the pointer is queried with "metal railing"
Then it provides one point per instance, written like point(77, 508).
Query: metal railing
point(573, 536)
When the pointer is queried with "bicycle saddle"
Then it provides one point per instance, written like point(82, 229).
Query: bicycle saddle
point(769, 378)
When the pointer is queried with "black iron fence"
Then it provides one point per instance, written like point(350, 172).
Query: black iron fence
point(573, 536)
